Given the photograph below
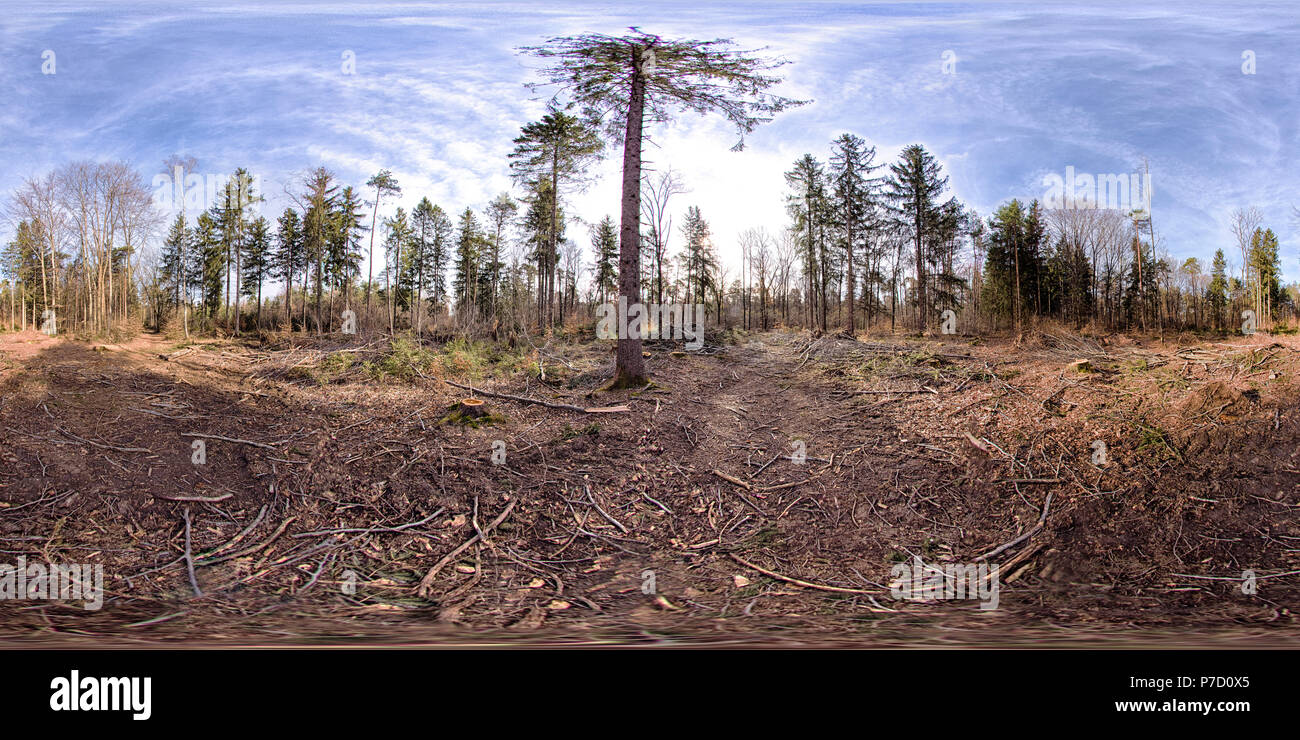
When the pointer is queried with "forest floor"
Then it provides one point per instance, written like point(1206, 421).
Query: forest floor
point(758, 492)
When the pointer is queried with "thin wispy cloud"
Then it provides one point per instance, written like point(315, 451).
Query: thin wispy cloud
point(438, 93)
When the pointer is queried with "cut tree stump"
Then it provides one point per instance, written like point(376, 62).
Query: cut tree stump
point(1080, 366)
point(473, 408)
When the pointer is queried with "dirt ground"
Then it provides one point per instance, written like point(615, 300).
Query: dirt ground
point(757, 493)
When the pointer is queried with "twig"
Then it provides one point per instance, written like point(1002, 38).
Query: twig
point(189, 555)
point(733, 480)
point(539, 402)
point(198, 499)
point(156, 620)
point(797, 582)
point(427, 581)
point(228, 439)
point(101, 445)
point(371, 529)
point(603, 513)
point(239, 537)
point(1234, 578)
point(249, 550)
point(667, 510)
point(1047, 504)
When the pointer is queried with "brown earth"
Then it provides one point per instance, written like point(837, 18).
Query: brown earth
point(332, 494)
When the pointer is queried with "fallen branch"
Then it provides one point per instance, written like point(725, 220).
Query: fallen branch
point(189, 555)
point(371, 530)
point(797, 582)
point(539, 402)
point(237, 538)
point(177, 353)
point(250, 550)
point(229, 439)
point(1234, 578)
point(733, 480)
point(603, 513)
point(886, 393)
point(765, 489)
point(427, 581)
point(197, 499)
point(101, 445)
point(791, 484)
point(1047, 504)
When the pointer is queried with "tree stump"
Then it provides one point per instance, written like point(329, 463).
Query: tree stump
point(471, 412)
point(470, 408)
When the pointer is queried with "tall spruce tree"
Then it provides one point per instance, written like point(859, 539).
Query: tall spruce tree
point(638, 78)
point(915, 188)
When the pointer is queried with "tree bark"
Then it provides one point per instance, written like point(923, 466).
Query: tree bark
point(629, 365)
point(921, 307)
point(370, 277)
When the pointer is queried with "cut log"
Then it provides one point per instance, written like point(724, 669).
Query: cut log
point(547, 404)
point(177, 353)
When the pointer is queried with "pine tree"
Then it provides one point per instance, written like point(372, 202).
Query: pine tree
point(915, 187)
point(257, 261)
point(398, 243)
point(469, 238)
point(343, 256)
point(500, 213)
point(852, 203)
point(1264, 266)
point(210, 247)
point(553, 153)
point(699, 256)
point(1012, 263)
point(384, 184)
point(807, 204)
point(22, 260)
point(604, 243)
point(440, 256)
point(172, 260)
point(627, 80)
point(421, 254)
point(289, 258)
point(317, 224)
point(544, 229)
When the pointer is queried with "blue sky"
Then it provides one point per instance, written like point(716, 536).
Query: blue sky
point(438, 94)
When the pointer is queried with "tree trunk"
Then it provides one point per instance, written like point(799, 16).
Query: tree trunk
point(629, 365)
point(921, 304)
point(370, 277)
point(852, 287)
point(288, 294)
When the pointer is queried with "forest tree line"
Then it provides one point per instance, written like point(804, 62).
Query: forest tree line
point(868, 244)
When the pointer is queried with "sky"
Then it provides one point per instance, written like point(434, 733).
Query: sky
point(1005, 95)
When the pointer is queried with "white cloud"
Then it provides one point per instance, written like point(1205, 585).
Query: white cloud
point(438, 95)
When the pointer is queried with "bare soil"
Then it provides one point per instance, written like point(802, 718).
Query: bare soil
point(330, 497)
